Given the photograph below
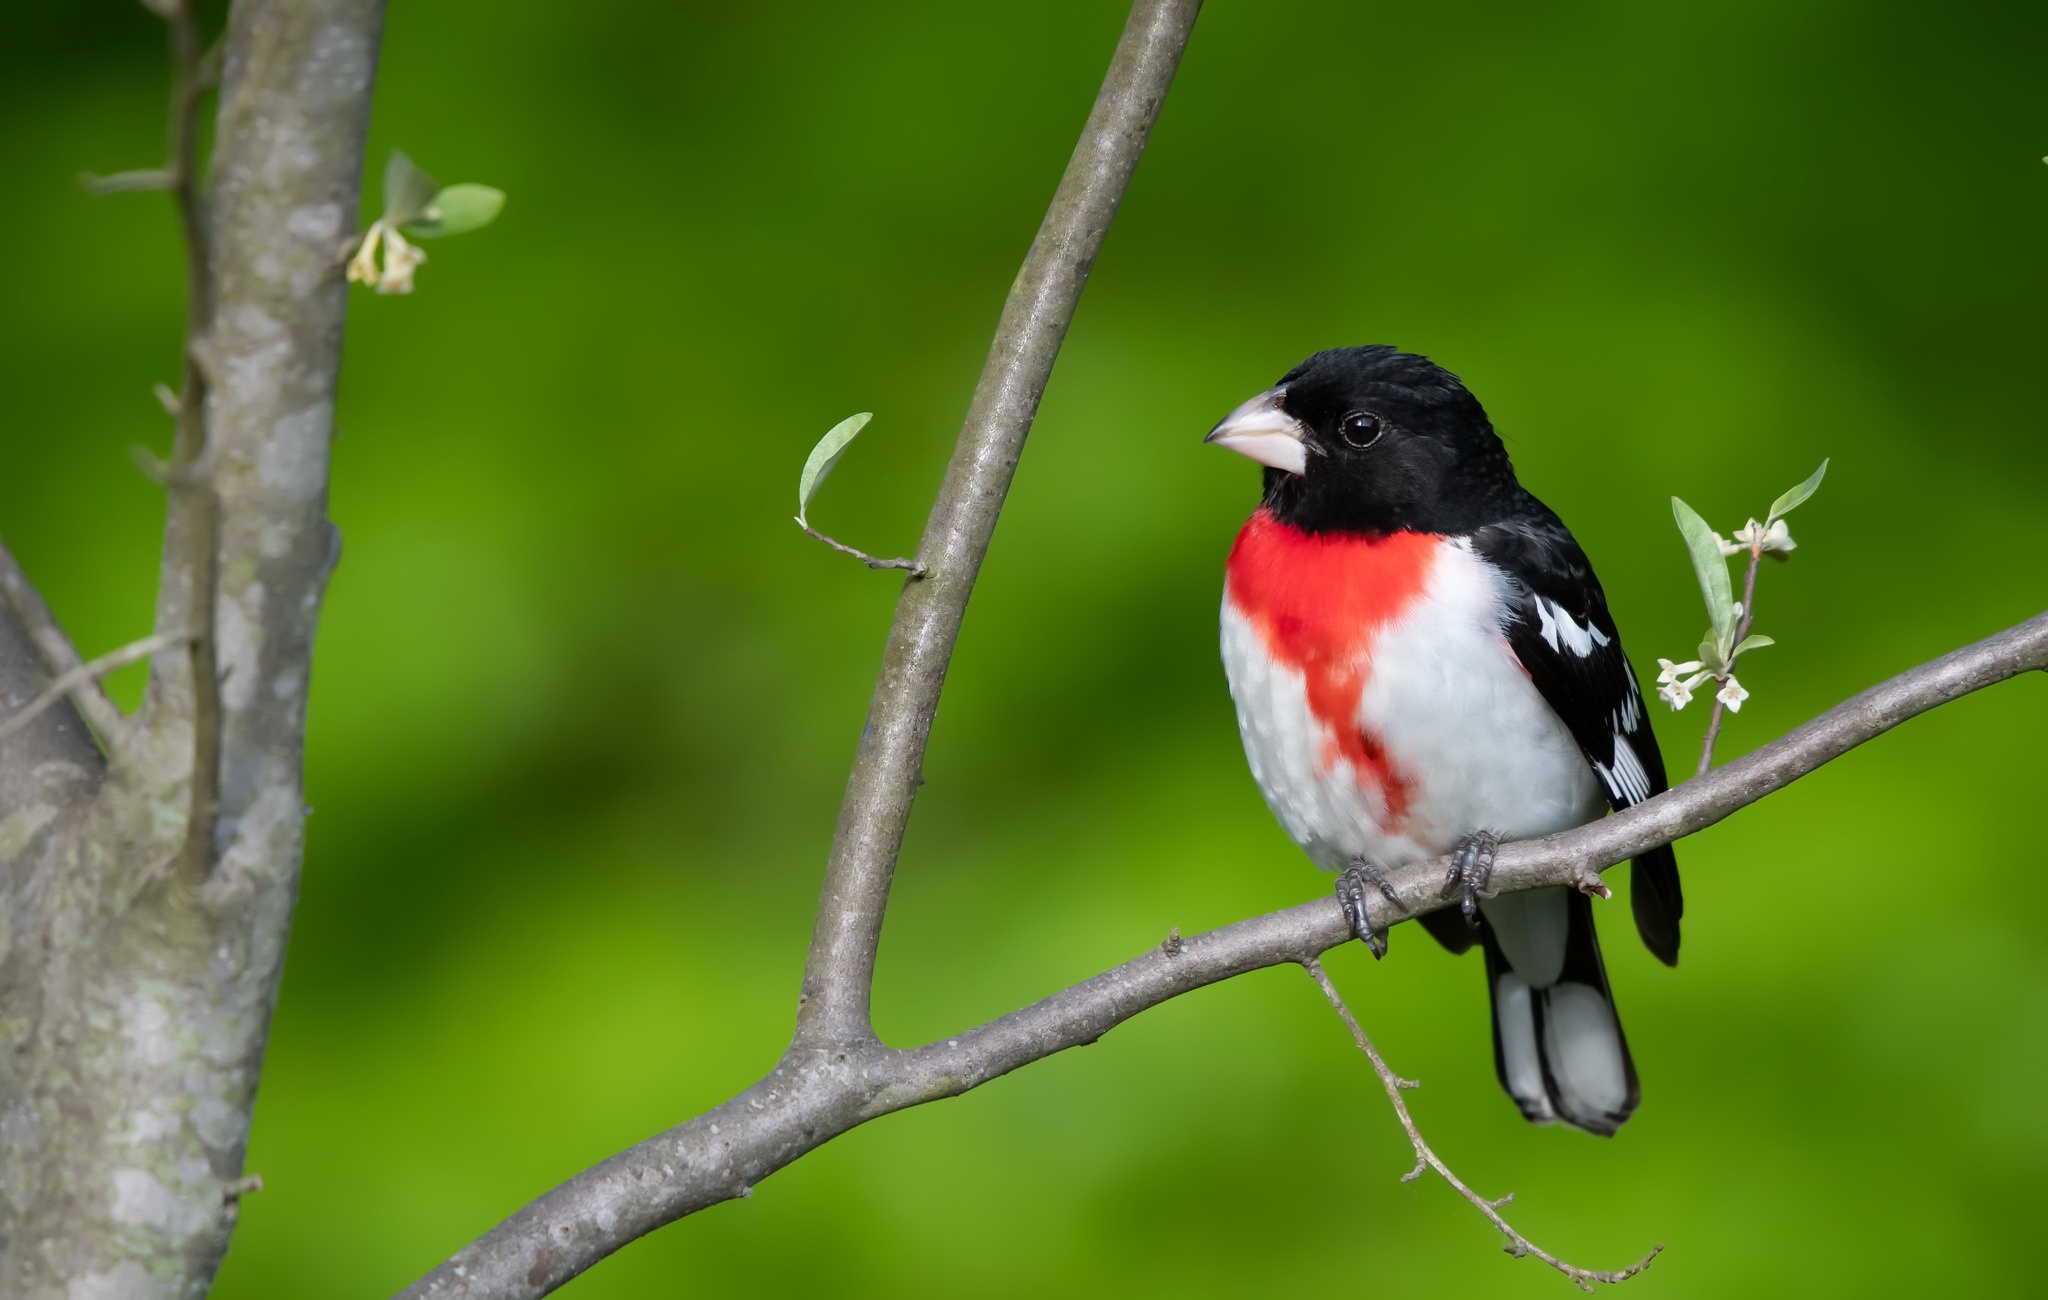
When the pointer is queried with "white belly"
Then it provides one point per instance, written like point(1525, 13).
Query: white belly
point(1468, 742)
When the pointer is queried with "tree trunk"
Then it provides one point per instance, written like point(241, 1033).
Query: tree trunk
point(145, 913)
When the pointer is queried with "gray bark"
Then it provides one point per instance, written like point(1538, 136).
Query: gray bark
point(148, 866)
point(148, 894)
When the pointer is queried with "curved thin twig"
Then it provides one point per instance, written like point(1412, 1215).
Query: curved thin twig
point(1518, 1245)
point(915, 569)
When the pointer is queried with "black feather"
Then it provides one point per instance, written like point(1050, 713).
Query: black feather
point(1447, 926)
point(1595, 692)
point(1658, 902)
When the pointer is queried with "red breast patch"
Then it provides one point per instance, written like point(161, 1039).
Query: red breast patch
point(1317, 601)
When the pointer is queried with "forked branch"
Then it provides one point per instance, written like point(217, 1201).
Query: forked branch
point(836, 1074)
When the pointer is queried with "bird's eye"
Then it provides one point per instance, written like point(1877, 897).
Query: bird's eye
point(1360, 428)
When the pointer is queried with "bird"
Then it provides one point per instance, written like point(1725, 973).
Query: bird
point(1424, 664)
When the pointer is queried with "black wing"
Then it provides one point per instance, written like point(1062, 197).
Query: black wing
point(1561, 631)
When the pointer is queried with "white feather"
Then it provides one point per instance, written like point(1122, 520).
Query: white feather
point(1531, 927)
point(1630, 715)
point(1582, 1046)
point(1515, 1020)
point(1627, 777)
point(1564, 634)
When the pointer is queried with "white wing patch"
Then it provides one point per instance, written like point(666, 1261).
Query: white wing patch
point(1630, 715)
point(1626, 779)
point(1564, 634)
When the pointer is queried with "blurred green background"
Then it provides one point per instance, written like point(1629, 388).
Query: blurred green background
point(585, 698)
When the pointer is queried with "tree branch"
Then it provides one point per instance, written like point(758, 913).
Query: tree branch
point(836, 1074)
point(58, 654)
point(889, 765)
point(816, 1092)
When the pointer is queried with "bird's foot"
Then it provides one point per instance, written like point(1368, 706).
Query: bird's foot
point(1471, 868)
point(1351, 897)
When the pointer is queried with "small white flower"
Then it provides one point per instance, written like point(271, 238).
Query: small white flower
point(1753, 534)
point(1668, 672)
point(1729, 548)
point(401, 259)
point(1678, 693)
point(362, 268)
point(1732, 695)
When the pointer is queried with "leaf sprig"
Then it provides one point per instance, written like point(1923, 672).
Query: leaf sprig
point(416, 204)
point(1728, 636)
point(820, 463)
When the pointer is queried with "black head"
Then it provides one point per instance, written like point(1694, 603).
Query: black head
point(1374, 440)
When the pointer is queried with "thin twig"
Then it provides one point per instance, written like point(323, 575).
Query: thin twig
point(915, 569)
point(189, 83)
point(1518, 1245)
point(194, 533)
point(60, 657)
point(1756, 553)
point(148, 178)
point(70, 681)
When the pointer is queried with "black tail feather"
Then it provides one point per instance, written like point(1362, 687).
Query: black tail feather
point(1658, 902)
point(1447, 926)
point(1533, 1028)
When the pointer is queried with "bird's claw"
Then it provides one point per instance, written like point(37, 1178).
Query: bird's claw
point(1351, 897)
point(1471, 868)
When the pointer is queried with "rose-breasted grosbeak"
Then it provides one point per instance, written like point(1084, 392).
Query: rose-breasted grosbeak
point(1423, 663)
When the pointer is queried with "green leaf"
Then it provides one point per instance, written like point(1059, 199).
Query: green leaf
point(1712, 569)
point(457, 210)
point(823, 457)
point(1786, 504)
point(1756, 641)
point(407, 190)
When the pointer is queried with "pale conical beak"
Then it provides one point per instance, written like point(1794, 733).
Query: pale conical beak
point(1261, 430)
